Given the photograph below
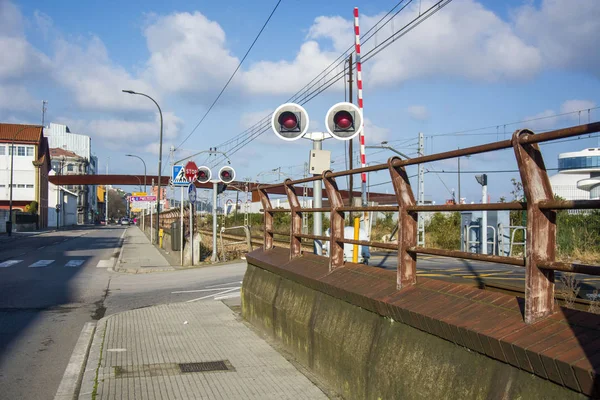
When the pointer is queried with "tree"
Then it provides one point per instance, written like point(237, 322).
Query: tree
point(116, 204)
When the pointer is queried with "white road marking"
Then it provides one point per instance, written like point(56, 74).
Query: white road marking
point(203, 290)
point(104, 263)
point(9, 263)
point(74, 263)
point(229, 296)
point(224, 284)
point(41, 247)
point(41, 263)
point(213, 295)
point(116, 350)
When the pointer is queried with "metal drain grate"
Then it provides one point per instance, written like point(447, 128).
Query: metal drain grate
point(205, 366)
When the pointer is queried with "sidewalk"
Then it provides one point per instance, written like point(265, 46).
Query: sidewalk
point(141, 354)
point(138, 255)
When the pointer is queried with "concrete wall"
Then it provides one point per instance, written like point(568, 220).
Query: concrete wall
point(364, 355)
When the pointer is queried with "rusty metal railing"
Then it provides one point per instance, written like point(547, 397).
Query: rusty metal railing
point(540, 258)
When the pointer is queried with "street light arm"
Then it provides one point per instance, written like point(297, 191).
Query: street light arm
point(144, 162)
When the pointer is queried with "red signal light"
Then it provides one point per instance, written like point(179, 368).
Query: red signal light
point(343, 120)
point(288, 120)
point(225, 174)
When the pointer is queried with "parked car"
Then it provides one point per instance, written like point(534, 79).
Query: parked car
point(125, 221)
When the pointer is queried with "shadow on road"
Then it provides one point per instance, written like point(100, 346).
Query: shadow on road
point(27, 292)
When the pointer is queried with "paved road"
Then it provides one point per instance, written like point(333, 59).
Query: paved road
point(480, 273)
point(52, 284)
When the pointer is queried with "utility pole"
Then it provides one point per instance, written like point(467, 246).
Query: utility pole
point(305, 201)
point(421, 195)
point(106, 192)
point(44, 102)
point(350, 142)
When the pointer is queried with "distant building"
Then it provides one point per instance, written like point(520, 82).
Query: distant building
point(65, 162)
point(578, 175)
point(60, 137)
point(31, 164)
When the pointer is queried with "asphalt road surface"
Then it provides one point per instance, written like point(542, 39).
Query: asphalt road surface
point(477, 272)
point(52, 284)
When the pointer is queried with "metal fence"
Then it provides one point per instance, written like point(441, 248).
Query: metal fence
point(540, 206)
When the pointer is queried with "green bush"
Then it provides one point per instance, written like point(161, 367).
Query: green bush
point(443, 231)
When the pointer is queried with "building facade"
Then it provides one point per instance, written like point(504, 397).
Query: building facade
point(578, 175)
point(60, 137)
point(29, 170)
point(66, 162)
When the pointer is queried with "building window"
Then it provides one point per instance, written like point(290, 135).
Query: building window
point(2, 151)
point(70, 167)
point(21, 151)
point(21, 186)
point(29, 186)
point(2, 185)
point(29, 151)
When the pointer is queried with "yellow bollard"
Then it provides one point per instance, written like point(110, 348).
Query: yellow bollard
point(161, 233)
point(356, 230)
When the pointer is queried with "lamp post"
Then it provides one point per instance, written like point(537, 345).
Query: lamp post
point(133, 155)
point(159, 158)
point(12, 156)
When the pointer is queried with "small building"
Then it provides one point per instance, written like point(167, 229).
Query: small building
point(67, 211)
point(65, 162)
point(30, 168)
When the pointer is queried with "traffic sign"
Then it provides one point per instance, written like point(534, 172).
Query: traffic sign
point(192, 195)
point(191, 171)
point(139, 194)
point(178, 176)
point(142, 198)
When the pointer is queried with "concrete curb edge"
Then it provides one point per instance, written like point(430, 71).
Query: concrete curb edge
point(71, 380)
point(90, 374)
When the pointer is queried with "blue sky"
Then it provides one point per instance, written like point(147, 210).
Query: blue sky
point(473, 64)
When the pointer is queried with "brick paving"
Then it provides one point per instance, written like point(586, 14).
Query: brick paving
point(141, 350)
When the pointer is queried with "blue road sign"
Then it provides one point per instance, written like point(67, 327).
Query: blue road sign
point(178, 176)
point(192, 193)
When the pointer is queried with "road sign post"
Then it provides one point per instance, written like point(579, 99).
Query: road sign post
point(192, 195)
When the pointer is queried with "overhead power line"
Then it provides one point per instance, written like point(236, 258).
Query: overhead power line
point(309, 92)
point(232, 75)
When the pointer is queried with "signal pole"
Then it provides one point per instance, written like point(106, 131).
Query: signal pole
point(350, 142)
point(214, 257)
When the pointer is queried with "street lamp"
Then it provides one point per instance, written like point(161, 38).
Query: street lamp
point(159, 158)
point(133, 155)
point(58, 196)
point(12, 156)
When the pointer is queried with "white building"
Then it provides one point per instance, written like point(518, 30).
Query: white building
point(59, 136)
point(68, 205)
point(579, 175)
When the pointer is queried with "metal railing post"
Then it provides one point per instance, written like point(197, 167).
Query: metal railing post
point(336, 247)
point(407, 226)
point(268, 218)
point(541, 229)
point(296, 220)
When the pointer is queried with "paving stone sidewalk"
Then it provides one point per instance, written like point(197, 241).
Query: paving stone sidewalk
point(137, 355)
point(138, 255)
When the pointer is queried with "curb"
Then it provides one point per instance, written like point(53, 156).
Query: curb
point(71, 380)
point(90, 374)
point(117, 261)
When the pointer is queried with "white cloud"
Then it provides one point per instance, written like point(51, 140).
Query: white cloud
point(86, 70)
point(564, 31)
point(116, 133)
point(375, 134)
point(418, 113)
point(188, 53)
point(571, 106)
point(551, 119)
point(284, 77)
point(462, 40)
point(21, 59)
point(16, 98)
